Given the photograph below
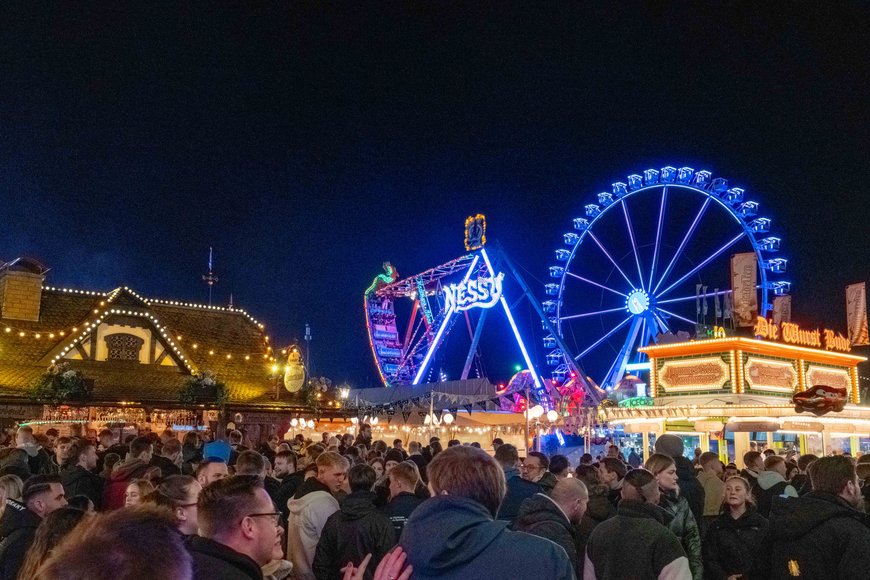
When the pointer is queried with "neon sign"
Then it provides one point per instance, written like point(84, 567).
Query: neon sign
point(480, 293)
point(794, 334)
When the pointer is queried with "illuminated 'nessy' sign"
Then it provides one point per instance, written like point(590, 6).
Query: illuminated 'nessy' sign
point(480, 293)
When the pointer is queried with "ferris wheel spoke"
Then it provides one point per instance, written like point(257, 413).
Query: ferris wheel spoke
point(658, 237)
point(633, 243)
point(682, 246)
point(663, 325)
point(693, 297)
point(683, 318)
point(585, 314)
point(706, 261)
point(603, 338)
point(609, 257)
point(597, 284)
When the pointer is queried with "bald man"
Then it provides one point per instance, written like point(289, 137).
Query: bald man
point(554, 517)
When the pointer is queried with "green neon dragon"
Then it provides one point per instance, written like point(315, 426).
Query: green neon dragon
point(390, 275)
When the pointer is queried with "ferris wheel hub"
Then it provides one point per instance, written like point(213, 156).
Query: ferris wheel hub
point(637, 302)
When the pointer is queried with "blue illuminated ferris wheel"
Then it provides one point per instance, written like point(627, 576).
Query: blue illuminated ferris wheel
point(649, 261)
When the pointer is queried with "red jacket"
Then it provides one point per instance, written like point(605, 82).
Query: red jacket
point(113, 495)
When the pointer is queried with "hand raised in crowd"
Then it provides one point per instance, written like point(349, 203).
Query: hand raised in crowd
point(390, 568)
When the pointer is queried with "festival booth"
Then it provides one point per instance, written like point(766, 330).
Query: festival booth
point(725, 391)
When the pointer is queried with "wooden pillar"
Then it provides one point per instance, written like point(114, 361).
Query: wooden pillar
point(741, 446)
point(646, 452)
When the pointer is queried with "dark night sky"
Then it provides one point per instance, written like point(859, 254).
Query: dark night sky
point(308, 142)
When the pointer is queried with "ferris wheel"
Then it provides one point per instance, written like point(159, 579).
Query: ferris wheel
point(642, 261)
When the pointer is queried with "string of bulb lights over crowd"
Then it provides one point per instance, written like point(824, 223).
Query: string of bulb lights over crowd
point(83, 328)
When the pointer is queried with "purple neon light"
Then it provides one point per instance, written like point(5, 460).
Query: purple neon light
point(702, 264)
point(612, 261)
point(633, 244)
point(597, 284)
point(658, 236)
point(683, 244)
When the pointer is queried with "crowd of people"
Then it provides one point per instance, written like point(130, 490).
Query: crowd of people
point(348, 507)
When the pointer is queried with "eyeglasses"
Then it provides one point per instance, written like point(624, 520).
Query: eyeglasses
point(186, 505)
point(274, 515)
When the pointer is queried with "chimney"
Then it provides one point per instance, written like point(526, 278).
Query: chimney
point(21, 289)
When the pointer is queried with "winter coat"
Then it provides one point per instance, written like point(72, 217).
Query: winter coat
point(541, 516)
point(166, 466)
point(113, 494)
point(450, 537)
point(17, 530)
point(714, 492)
point(213, 560)
point(518, 490)
point(15, 464)
point(420, 462)
point(771, 484)
point(636, 545)
point(79, 481)
point(801, 482)
point(39, 460)
point(308, 511)
point(690, 487)
point(547, 482)
point(357, 529)
point(400, 509)
point(734, 546)
point(598, 509)
point(818, 536)
point(685, 527)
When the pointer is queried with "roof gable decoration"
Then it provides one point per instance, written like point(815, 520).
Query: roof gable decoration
point(89, 327)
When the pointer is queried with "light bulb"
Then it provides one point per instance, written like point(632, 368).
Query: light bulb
point(447, 418)
point(374, 420)
point(552, 416)
point(311, 423)
point(354, 420)
point(294, 421)
point(427, 419)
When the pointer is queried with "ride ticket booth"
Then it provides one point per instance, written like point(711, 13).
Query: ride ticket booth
point(788, 381)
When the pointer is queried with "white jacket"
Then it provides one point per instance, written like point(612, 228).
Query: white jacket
point(308, 515)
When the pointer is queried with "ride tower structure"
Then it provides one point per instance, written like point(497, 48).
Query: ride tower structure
point(475, 281)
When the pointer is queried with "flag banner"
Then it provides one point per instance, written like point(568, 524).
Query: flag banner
point(726, 306)
point(716, 307)
point(781, 309)
point(698, 299)
point(856, 314)
point(744, 279)
point(704, 308)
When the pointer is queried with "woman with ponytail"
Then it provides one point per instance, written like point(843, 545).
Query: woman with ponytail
point(179, 493)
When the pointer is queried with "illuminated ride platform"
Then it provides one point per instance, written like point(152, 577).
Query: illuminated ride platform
point(706, 388)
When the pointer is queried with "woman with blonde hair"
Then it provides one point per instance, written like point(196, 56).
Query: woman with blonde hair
point(10, 488)
point(682, 524)
point(136, 492)
point(732, 540)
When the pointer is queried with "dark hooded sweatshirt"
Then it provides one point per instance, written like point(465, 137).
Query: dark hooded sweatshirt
point(17, 529)
point(400, 509)
point(450, 537)
point(79, 481)
point(541, 516)
point(732, 546)
point(818, 536)
point(357, 529)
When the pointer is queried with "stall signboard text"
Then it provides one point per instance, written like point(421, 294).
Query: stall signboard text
point(479, 293)
point(794, 334)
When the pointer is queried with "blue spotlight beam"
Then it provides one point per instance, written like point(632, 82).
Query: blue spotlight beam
point(633, 243)
point(706, 261)
point(682, 244)
point(437, 341)
point(581, 278)
point(612, 261)
point(655, 259)
point(603, 338)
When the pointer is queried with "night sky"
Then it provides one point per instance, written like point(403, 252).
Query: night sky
point(309, 142)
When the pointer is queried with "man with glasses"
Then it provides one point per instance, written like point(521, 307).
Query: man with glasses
point(536, 469)
point(239, 531)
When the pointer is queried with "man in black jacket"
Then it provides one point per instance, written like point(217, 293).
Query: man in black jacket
point(690, 487)
point(823, 534)
point(404, 481)
point(518, 489)
point(416, 456)
point(169, 458)
point(80, 478)
point(556, 516)
point(240, 531)
point(357, 529)
point(42, 494)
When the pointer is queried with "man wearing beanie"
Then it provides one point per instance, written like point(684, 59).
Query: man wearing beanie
point(690, 488)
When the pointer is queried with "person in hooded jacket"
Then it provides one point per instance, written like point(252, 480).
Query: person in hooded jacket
point(732, 544)
point(357, 529)
point(404, 482)
point(518, 488)
point(655, 552)
point(79, 478)
point(554, 516)
point(135, 467)
point(682, 523)
point(454, 534)
point(772, 483)
point(822, 535)
point(690, 488)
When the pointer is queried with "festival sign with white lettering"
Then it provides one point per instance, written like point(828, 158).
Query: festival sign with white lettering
point(479, 293)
